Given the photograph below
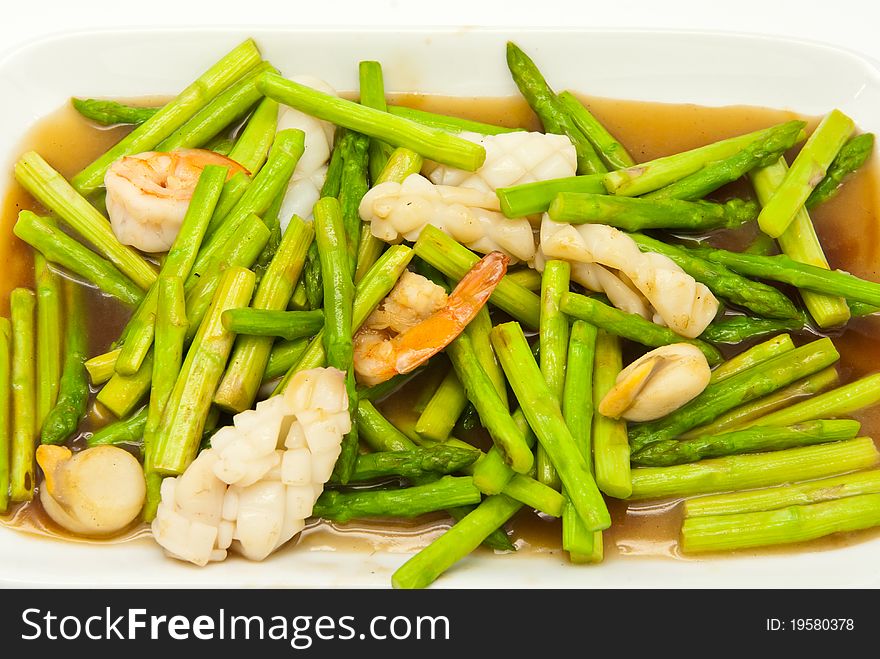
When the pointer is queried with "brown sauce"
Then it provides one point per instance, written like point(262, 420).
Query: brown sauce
point(848, 228)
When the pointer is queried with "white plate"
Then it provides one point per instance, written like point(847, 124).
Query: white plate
point(709, 69)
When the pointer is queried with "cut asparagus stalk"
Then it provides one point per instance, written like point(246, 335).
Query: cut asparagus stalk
point(784, 526)
point(796, 494)
point(737, 329)
point(372, 86)
point(807, 171)
point(612, 152)
point(801, 243)
point(545, 418)
point(233, 191)
point(742, 472)
point(851, 156)
point(443, 409)
point(611, 450)
point(51, 189)
point(429, 142)
point(252, 147)
point(173, 115)
point(124, 431)
point(288, 325)
point(73, 393)
point(629, 325)
point(759, 298)
point(22, 472)
point(49, 348)
point(649, 176)
point(5, 409)
point(111, 113)
point(531, 198)
point(752, 357)
point(716, 399)
point(527, 278)
point(187, 409)
point(102, 367)
point(284, 355)
point(413, 464)
point(447, 123)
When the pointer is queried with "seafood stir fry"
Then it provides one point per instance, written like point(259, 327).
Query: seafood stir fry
point(338, 310)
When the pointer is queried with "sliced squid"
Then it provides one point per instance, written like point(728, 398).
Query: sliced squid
point(254, 489)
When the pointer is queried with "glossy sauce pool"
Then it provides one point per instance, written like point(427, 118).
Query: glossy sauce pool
point(847, 226)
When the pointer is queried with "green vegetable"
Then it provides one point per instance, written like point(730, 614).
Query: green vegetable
point(531, 198)
point(447, 492)
point(73, 392)
point(252, 146)
point(5, 409)
point(284, 355)
point(428, 142)
point(755, 355)
point(445, 122)
point(612, 152)
point(124, 431)
point(22, 476)
point(51, 189)
point(49, 321)
point(111, 113)
point(629, 325)
point(372, 86)
point(526, 277)
point(355, 183)
point(285, 324)
point(173, 115)
point(414, 463)
point(444, 408)
point(851, 156)
point(611, 450)
point(551, 112)
point(716, 399)
point(807, 171)
point(736, 329)
point(742, 472)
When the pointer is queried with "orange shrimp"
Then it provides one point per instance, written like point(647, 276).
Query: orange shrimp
point(379, 354)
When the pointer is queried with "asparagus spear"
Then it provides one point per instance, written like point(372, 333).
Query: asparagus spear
point(716, 174)
point(629, 325)
point(774, 527)
point(757, 354)
point(269, 182)
point(428, 142)
point(527, 278)
point(187, 408)
point(413, 464)
point(444, 408)
point(241, 382)
point(233, 190)
point(737, 329)
point(801, 243)
point(649, 176)
point(228, 107)
point(372, 289)
point(749, 385)
point(286, 324)
point(577, 410)
point(454, 260)
point(479, 330)
point(636, 214)
point(219, 144)
point(841, 401)
point(491, 408)
point(545, 418)
point(531, 198)
point(284, 355)
point(807, 170)
point(611, 450)
point(826, 489)
point(553, 115)
point(760, 298)
point(447, 492)
point(784, 269)
point(423, 569)
point(401, 163)
point(5, 409)
point(178, 263)
point(271, 218)
point(122, 393)
point(553, 336)
point(22, 303)
point(354, 186)
point(125, 431)
point(612, 152)
point(171, 328)
point(49, 320)
point(173, 115)
point(742, 472)
point(741, 416)
point(851, 156)
point(252, 146)
point(73, 392)
point(102, 367)
point(111, 113)
point(49, 188)
point(750, 440)
point(762, 244)
point(372, 86)
point(447, 123)
point(57, 247)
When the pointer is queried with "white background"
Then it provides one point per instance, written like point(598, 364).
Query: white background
point(850, 23)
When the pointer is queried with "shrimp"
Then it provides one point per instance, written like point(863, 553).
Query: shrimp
point(148, 194)
point(393, 342)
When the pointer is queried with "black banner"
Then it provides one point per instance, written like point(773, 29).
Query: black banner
point(319, 623)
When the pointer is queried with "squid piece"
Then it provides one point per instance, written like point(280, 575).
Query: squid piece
point(399, 211)
point(511, 159)
point(678, 300)
point(658, 383)
point(254, 489)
